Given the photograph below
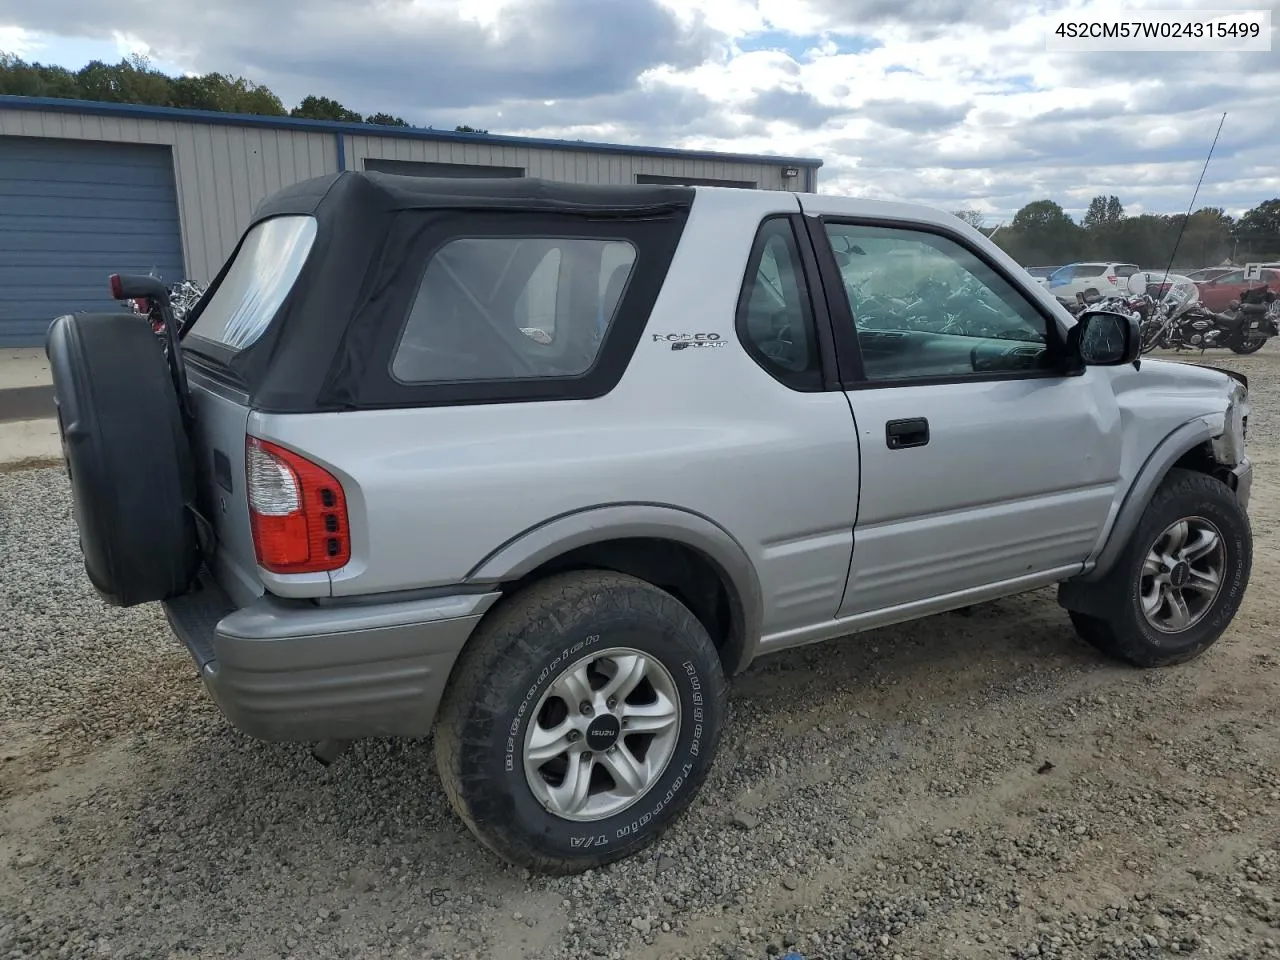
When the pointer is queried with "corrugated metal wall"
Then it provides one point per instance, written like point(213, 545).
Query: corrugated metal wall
point(223, 171)
point(576, 166)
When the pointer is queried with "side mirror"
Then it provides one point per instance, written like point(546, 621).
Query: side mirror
point(1103, 338)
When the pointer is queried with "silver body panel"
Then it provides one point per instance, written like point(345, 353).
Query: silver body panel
point(795, 495)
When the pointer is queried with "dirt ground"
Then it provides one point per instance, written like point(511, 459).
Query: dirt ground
point(968, 786)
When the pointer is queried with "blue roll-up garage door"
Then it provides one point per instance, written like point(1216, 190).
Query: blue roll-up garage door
point(73, 212)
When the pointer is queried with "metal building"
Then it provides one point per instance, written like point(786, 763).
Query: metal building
point(88, 189)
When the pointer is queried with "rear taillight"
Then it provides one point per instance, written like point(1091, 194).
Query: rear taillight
point(1112, 280)
point(297, 511)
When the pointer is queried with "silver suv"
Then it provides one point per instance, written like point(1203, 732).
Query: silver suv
point(537, 467)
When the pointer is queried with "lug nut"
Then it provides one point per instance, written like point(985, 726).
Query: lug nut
point(586, 755)
point(612, 702)
point(574, 736)
point(586, 709)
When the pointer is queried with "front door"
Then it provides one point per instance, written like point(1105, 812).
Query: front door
point(983, 460)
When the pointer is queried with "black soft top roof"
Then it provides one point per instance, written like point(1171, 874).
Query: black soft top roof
point(365, 265)
point(391, 192)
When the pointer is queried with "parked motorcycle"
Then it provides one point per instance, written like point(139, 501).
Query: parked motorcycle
point(1163, 325)
point(1244, 327)
point(1185, 324)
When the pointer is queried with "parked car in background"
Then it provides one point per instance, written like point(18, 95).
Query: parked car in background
point(1076, 278)
point(1217, 294)
point(1208, 273)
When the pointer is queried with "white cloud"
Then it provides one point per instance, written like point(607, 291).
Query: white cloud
point(951, 102)
point(16, 40)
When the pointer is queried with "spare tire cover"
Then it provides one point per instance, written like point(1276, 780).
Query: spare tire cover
point(127, 455)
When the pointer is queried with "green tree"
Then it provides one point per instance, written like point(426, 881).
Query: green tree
point(1207, 239)
point(322, 108)
point(21, 79)
point(214, 91)
point(1262, 219)
point(386, 120)
point(1103, 211)
point(1042, 233)
point(463, 128)
point(1101, 222)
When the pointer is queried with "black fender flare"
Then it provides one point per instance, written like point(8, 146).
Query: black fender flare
point(1077, 593)
point(524, 553)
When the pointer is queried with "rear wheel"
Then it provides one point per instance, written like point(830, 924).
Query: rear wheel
point(1247, 345)
point(127, 456)
point(580, 721)
point(1181, 579)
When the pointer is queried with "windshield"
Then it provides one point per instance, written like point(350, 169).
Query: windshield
point(1181, 296)
point(261, 276)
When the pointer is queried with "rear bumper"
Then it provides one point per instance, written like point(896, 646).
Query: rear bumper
point(292, 670)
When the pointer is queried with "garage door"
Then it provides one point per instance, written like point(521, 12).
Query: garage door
point(73, 212)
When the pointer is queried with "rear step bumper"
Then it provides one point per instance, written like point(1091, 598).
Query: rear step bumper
point(290, 670)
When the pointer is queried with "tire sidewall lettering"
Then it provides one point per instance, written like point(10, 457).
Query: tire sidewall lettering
point(547, 674)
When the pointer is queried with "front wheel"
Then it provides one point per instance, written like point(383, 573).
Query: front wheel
point(1181, 579)
point(580, 721)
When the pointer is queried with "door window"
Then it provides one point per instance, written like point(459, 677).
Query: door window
point(926, 307)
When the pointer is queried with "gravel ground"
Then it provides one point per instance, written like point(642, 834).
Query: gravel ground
point(977, 785)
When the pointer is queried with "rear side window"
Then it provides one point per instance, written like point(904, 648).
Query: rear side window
point(260, 277)
point(775, 316)
point(512, 308)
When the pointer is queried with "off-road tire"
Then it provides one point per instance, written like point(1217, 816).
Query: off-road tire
point(1120, 629)
point(127, 454)
point(516, 653)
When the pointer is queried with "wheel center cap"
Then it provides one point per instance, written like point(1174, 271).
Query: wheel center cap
point(1180, 574)
point(603, 732)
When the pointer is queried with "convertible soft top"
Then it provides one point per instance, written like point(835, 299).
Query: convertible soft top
point(388, 192)
point(328, 346)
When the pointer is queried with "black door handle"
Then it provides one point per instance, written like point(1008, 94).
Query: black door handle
point(899, 434)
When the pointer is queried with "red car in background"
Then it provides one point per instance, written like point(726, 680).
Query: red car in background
point(1216, 295)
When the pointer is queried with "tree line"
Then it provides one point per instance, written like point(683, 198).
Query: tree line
point(1043, 234)
point(134, 80)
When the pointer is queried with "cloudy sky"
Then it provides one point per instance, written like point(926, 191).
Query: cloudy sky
point(955, 103)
